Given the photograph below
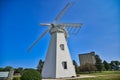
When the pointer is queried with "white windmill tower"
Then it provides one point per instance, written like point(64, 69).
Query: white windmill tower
point(58, 63)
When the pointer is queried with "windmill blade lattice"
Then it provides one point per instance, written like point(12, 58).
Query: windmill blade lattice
point(45, 24)
point(36, 41)
point(62, 12)
point(72, 28)
point(71, 24)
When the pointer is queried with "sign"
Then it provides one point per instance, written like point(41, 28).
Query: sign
point(4, 74)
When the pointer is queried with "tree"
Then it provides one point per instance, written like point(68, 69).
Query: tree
point(76, 66)
point(8, 68)
point(88, 67)
point(40, 65)
point(98, 63)
point(30, 74)
point(18, 70)
point(1, 69)
point(106, 65)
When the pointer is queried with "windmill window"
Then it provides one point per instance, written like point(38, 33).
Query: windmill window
point(64, 64)
point(62, 46)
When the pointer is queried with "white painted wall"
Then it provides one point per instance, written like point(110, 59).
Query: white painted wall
point(49, 67)
point(63, 55)
point(55, 56)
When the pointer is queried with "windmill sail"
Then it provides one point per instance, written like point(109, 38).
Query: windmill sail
point(36, 41)
point(62, 12)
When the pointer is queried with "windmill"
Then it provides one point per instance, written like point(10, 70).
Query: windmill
point(58, 62)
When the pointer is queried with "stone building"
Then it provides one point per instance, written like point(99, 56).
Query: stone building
point(87, 58)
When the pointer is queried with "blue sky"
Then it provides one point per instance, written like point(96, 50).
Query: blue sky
point(19, 27)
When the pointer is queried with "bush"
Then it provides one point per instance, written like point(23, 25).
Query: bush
point(5, 79)
point(31, 75)
point(16, 78)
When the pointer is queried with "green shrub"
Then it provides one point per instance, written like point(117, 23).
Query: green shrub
point(5, 79)
point(16, 78)
point(31, 74)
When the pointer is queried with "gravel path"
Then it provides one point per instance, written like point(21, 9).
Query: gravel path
point(81, 76)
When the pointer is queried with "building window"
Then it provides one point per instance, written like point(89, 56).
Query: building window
point(62, 46)
point(64, 64)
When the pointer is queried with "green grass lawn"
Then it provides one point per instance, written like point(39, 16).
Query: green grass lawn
point(105, 75)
